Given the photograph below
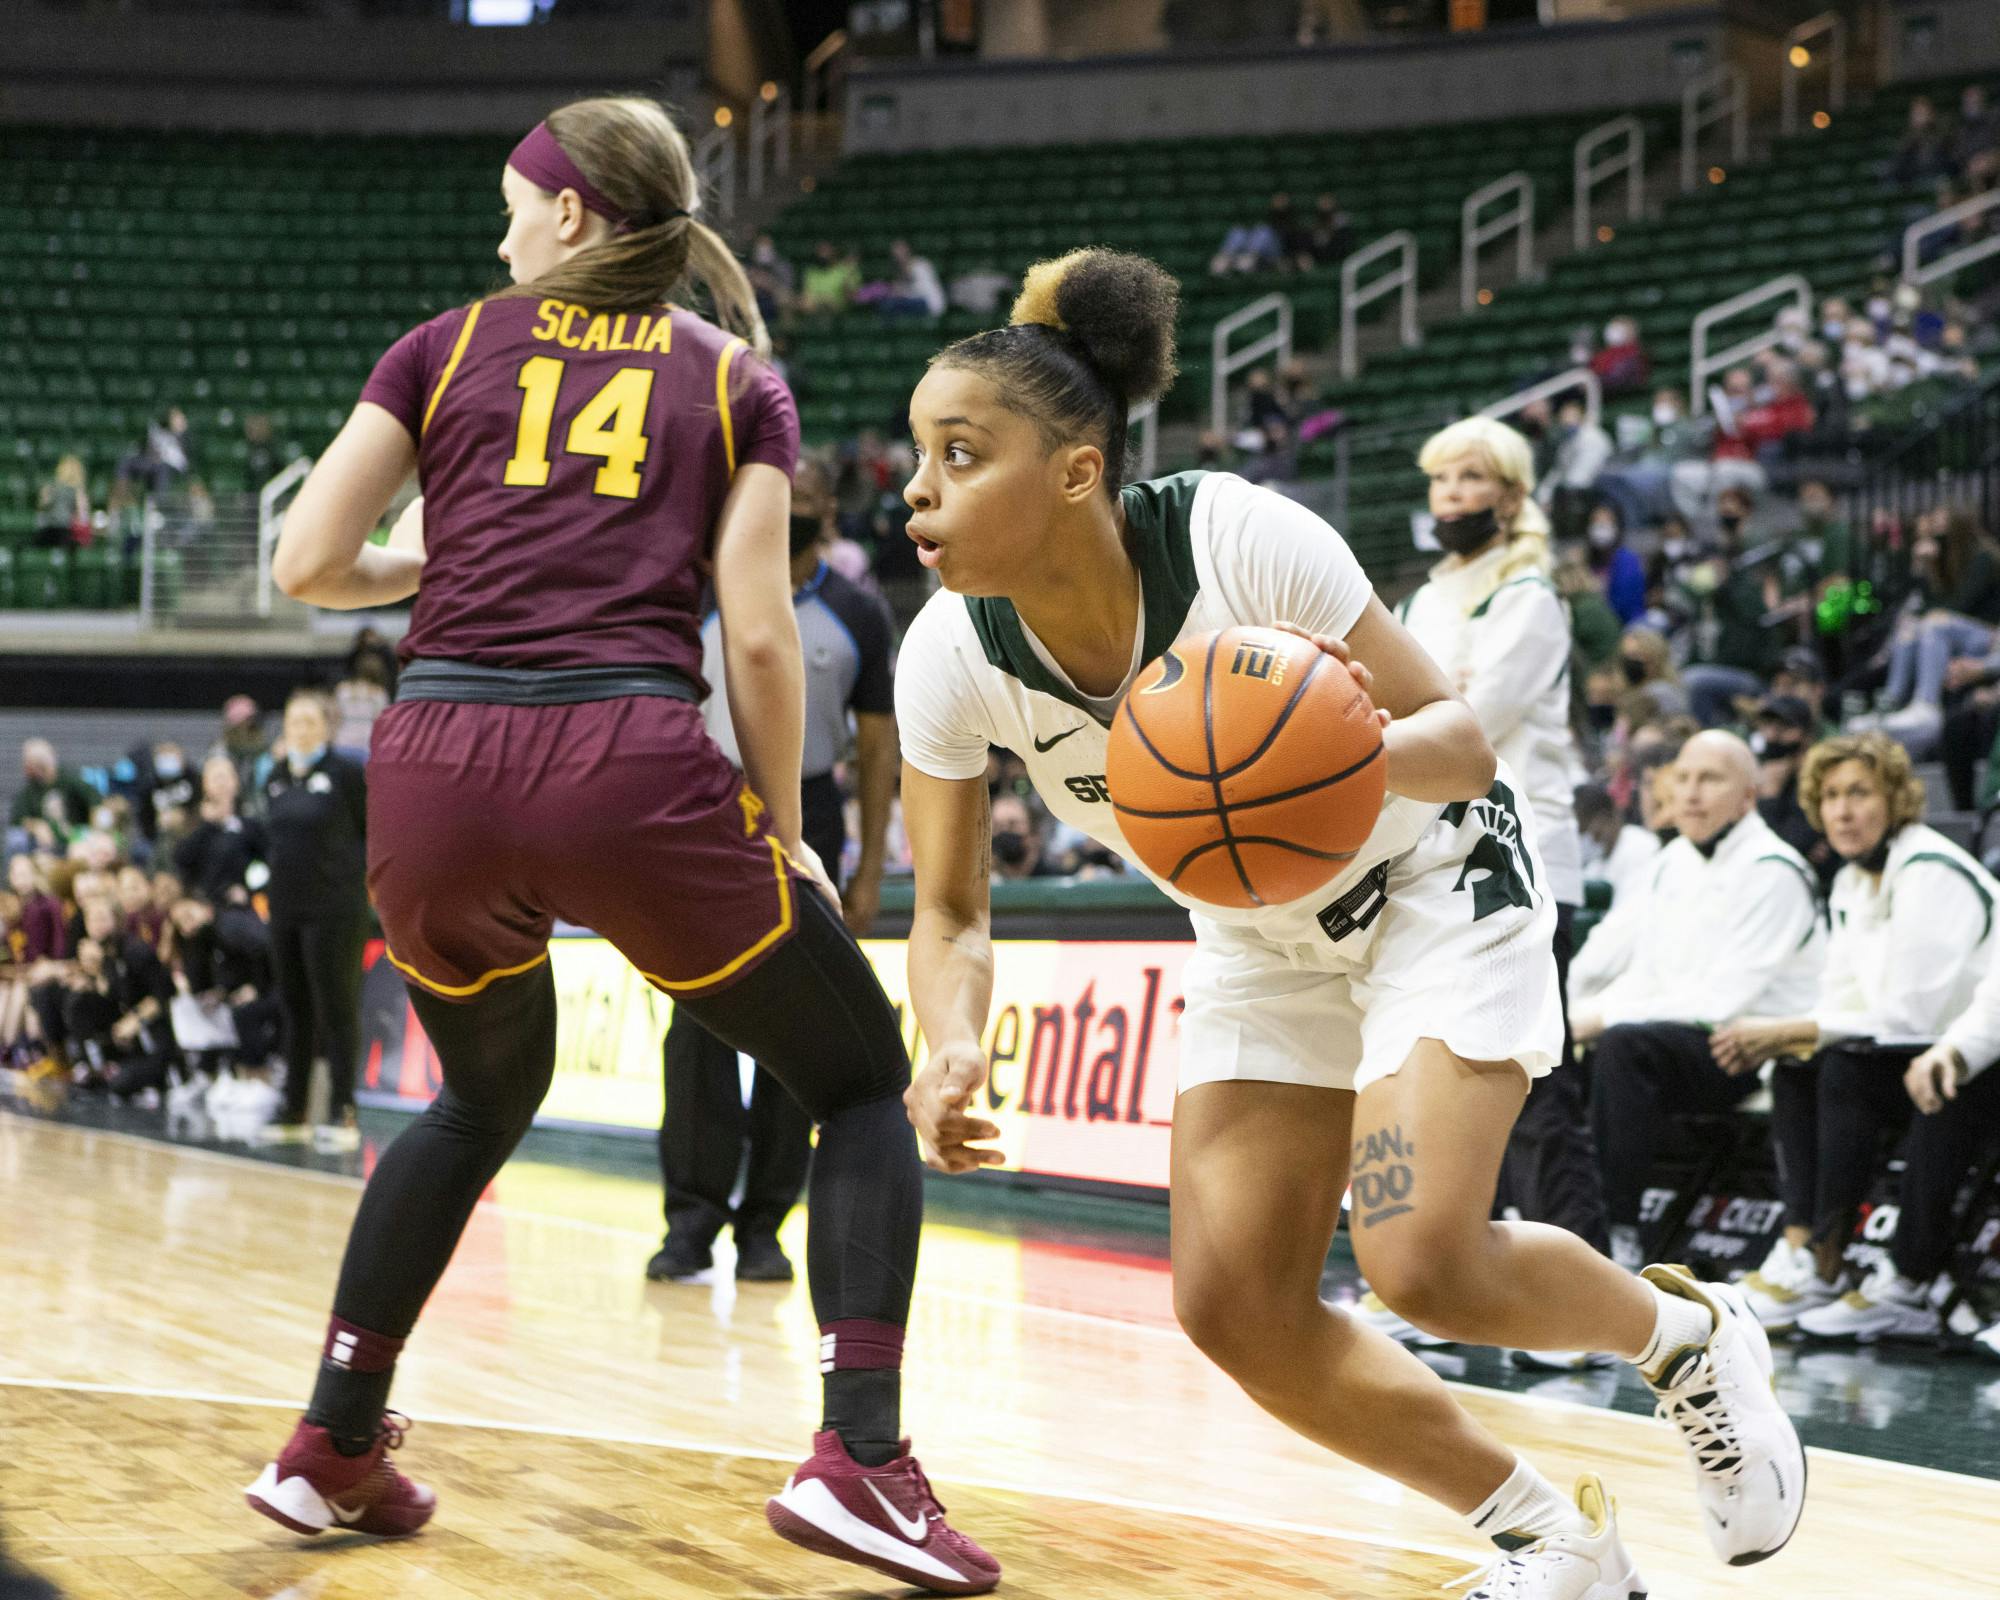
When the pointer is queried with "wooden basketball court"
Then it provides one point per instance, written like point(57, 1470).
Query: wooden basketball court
point(591, 1434)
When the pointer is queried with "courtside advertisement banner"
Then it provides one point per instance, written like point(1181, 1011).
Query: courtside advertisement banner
point(1084, 1042)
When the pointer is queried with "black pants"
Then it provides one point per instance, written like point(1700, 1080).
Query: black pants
point(1968, 736)
point(1939, 1151)
point(705, 1129)
point(812, 1012)
point(317, 966)
point(1835, 1119)
point(1642, 1073)
point(1550, 1172)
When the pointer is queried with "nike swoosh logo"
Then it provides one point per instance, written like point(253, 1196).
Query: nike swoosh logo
point(1042, 748)
point(343, 1517)
point(1171, 669)
point(915, 1529)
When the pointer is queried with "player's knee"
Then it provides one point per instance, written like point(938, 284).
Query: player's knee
point(1233, 1311)
point(1427, 1276)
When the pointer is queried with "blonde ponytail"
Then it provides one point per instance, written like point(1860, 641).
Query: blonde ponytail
point(713, 265)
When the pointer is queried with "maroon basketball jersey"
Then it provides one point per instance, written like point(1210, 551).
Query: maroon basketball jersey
point(574, 464)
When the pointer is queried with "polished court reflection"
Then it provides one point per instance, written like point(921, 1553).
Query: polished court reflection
point(593, 1434)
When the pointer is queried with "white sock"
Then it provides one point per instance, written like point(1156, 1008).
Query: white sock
point(1525, 1508)
point(1678, 1323)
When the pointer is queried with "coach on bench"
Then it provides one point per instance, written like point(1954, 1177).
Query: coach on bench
point(1912, 930)
point(1727, 926)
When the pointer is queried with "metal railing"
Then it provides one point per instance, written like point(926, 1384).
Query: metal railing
point(1796, 54)
point(819, 81)
point(1353, 298)
point(1474, 234)
point(1225, 363)
point(1142, 440)
point(715, 170)
point(1590, 172)
point(270, 523)
point(1405, 439)
point(1562, 383)
point(1918, 271)
point(1719, 94)
point(1702, 364)
point(199, 561)
point(770, 141)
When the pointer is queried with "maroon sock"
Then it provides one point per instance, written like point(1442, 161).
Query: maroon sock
point(861, 1362)
point(355, 1370)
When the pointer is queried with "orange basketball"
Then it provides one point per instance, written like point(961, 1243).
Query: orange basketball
point(1246, 767)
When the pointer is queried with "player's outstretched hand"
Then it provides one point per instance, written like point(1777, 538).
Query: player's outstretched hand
point(937, 1104)
point(1337, 648)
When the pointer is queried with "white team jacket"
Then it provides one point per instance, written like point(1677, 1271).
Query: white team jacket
point(1507, 650)
point(1733, 934)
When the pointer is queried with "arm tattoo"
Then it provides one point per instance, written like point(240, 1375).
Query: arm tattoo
point(1384, 1177)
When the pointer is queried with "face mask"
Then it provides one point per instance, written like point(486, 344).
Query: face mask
point(1635, 671)
point(1674, 549)
point(805, 533)
point(301, 760)
point(1463, 535)
point(1730, 524)
point(1665, 416)
point(1833, 330)
point(1010, 849)
point(167, 766)
point(1879, 308)
point(1603, 535)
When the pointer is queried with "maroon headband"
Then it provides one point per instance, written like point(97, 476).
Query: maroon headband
point(545, 163)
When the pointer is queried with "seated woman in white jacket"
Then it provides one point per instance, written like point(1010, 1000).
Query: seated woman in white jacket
point(1912, 934)
point(1491, 617)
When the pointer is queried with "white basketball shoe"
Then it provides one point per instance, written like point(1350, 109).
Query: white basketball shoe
point(1886, 1306)
point(1565, 1566)
point(1749, 1467)
point(1786, 1286)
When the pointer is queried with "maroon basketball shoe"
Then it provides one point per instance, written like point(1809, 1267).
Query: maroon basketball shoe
point(884, 1518)
point(312, 1487)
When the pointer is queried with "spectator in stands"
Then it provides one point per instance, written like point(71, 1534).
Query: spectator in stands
point(1255, 246)
point(142, 918)
point(1620, 571)
point(772, 277)
point(42, 775)
point(1801, 677)
point(1953, 614)
point(1912, 934)
point(214, 859)
point(982, 290)
point(1581, 449)
point(1621, 363)
point(1329, 235)
point(1782, 729)
point(1925, 152)
point(41, 926)
point(1728, 927)
point(1647, 663)
point(831, 281)
point(1978, 131)
point(1615, 851)
point(115, 1014)
point(1017, 840)
point(170, 452)
point(915, 290)
point(62, 509)
point(317, 834)
point(1638, 479)
point(170, 800)
point(246, 745)
point(358, 699)
point(1730, 594)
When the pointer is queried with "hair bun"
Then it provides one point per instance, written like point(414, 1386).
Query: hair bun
point(1120, 308)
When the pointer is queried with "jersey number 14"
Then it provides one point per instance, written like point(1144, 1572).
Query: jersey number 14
point(611, 425)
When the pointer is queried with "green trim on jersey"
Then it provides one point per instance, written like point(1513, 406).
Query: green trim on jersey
point(1965, 872)
point(1811, 887)
point(1486, 605)
point(1159, 529)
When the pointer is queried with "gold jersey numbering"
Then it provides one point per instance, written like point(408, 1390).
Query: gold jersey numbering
point(611, 426)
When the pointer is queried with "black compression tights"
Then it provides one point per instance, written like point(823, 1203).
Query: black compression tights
point(812, 1013)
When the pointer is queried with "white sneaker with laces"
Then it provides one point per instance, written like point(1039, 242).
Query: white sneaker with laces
point(1886, 1306)
point(1988, 1341)
point(1565, 1566)
point(336, 1138)
point(1371, 1311)
point(1749, 1467)
point(1787, 1285)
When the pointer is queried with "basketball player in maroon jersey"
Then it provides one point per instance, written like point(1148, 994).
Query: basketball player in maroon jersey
point(587, 452)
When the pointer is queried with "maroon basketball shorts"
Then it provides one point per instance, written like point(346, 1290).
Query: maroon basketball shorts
point(489, 823)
